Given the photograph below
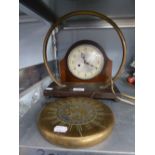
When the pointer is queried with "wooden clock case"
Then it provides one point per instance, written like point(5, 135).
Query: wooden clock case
point(103, 77)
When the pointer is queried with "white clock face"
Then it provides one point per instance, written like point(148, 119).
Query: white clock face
point(85, 61)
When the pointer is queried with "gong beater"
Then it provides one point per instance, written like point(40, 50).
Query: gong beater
point(75, 122)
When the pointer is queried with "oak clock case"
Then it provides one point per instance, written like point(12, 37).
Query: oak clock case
point(78, 119)
point(85, 62)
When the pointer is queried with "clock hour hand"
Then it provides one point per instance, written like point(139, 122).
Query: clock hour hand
point(83, 56)
point(84, 59)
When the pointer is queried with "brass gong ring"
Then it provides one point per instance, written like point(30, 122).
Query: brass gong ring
point(79, 13)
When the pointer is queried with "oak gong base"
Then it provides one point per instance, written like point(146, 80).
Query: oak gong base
point(75, 122)
point(95, 90)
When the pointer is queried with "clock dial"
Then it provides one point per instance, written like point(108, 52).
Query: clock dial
point(85, 61)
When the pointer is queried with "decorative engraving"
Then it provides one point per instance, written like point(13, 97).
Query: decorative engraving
point(79, 115)
point(76, 114)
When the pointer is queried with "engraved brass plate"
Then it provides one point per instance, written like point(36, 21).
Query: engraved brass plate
point(76, 122)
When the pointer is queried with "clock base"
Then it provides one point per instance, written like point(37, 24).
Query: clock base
point(93, 90)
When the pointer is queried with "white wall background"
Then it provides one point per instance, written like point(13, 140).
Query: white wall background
point(31, 37)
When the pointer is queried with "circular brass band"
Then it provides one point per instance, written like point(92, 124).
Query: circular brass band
point(79, 13)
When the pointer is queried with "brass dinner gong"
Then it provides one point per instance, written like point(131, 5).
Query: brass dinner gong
point(75, 122)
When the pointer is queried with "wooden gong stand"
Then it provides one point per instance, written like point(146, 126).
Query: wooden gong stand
point(98, 87)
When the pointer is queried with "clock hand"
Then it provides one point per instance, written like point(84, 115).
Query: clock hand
point(85, 62)
point(91, 65)
point(83, 57)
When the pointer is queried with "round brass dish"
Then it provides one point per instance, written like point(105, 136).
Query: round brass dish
point(76, 122)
